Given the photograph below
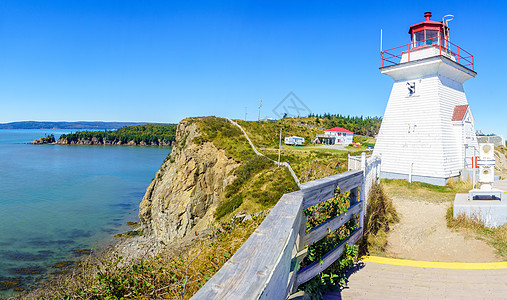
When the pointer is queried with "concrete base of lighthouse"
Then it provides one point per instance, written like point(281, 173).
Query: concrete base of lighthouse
point(426, 179)
point(492, 213)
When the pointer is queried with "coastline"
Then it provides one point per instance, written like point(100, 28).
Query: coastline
point(131, 250)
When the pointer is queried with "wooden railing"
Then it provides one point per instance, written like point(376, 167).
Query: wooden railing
point(266, 265)
point(370, 165)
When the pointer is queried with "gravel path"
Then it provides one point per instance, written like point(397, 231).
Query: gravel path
point(422, 234)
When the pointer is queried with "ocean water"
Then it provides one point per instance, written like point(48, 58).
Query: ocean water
point(56, 199)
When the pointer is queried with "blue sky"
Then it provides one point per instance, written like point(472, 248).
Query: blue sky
point(162, 61)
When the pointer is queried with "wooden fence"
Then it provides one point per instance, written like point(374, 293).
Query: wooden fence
point(370, 165)
point(266, 266)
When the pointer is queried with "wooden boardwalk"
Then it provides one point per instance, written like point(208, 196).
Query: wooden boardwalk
point(384, 280)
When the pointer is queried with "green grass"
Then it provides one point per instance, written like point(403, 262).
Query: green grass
point(259, 185)
point(496, 237)
point(224, 135)
point(431, 193)
point(266, 134)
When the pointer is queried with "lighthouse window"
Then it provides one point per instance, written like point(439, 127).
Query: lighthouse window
point(431, 37)
point(419, 38)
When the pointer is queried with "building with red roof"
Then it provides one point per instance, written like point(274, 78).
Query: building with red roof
point(336, 135)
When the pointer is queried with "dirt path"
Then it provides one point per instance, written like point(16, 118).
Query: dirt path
point(422, 234)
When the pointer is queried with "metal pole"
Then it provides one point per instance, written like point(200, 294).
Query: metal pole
point(380, 40)
point(280, 146)
point(260, 105)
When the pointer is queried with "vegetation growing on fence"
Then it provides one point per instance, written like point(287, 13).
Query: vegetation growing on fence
point(149, 134)
point(335, 275)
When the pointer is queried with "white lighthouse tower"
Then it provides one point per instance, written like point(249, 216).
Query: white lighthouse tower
point(427, 133)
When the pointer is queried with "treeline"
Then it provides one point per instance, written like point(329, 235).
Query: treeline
point(368, 126)
point(149, 134)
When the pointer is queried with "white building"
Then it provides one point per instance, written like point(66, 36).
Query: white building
point(294, 140)
point(336, 136)
point(427, 133)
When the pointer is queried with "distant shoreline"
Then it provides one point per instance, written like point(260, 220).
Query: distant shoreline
point(78, 125)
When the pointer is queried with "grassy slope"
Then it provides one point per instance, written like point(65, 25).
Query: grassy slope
point(259, 183)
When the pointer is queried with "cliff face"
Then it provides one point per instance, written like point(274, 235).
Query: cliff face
point(184, 194)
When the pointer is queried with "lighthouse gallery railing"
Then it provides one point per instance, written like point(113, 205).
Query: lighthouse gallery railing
point(393, 56)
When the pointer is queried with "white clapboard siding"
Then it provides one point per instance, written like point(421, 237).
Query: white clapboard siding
point(417, 131)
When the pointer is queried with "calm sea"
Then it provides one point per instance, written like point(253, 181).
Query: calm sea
point(55, 199)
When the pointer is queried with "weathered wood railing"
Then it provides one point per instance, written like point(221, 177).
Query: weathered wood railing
point(265, 266)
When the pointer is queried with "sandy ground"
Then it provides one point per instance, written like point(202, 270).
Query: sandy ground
point(422, 234)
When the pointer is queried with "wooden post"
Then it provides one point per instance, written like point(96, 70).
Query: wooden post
point(300, 245)
point(364, 183)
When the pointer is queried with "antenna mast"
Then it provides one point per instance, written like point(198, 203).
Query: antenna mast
point(380, 40)
point(260, 105)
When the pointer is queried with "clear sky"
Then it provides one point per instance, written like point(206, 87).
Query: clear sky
point(161, 61)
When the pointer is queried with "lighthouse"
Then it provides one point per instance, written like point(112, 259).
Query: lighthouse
point(427, 133)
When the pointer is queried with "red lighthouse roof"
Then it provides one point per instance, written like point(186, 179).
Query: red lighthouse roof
point(427, 24)
point(339, 129)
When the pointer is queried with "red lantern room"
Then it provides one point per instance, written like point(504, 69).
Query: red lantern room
point(427, 39)
point(428, 33)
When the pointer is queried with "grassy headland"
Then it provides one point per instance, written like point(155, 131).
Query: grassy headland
point(138, 134)
point(178, 271)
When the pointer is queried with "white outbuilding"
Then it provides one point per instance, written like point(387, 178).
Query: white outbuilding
point(427, 133)
point(294, 140)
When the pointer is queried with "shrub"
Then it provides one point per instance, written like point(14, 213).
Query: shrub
point(380, 212)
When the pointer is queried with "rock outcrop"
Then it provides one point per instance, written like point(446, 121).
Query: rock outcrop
point(184, 193)
point(44, 140)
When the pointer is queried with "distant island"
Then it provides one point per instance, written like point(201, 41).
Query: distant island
point(138, 135)
point(70, 125)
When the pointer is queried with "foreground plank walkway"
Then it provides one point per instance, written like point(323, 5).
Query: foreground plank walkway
point(378, 278)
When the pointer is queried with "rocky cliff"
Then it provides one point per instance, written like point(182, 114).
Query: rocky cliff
point(184, 193)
